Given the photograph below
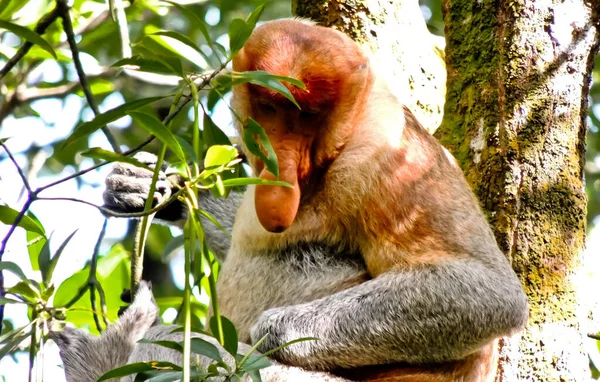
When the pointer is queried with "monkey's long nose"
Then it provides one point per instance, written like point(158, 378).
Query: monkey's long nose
point(277, 206)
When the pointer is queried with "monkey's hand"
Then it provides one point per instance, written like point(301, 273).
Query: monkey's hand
point(127, 188)
point(280, 326)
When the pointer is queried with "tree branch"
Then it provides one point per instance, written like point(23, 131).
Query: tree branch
point(68, 28)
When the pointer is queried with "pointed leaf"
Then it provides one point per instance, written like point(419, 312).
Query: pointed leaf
point(253, 17)
point(13, 268)
point(160, 131)
point(52, 265)
point(111, 115)
point(251, 129)
point(212, 134)
point(138, 367)
point(270, 81)
point(8, 216)
point(239, 32)
point(247, 181)
point(28, 35)
point(5, 301)
point(205, 348)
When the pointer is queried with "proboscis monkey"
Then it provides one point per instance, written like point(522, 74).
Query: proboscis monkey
point(380, 249)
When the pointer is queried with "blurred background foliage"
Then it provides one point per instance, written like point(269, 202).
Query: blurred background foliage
point(39, 76)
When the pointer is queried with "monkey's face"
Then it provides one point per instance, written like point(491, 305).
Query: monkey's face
point(305, 139)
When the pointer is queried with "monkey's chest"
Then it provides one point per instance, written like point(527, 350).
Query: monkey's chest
point(251, 283)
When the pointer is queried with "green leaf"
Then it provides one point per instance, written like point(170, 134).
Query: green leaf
point(8, 216)
point(218, 157)
point(253, 17)
point(98, 86)
point(26, 289)
point(159, 49)
point(139, 367)
point(270, 81)
point(43, 258)
point(212, 134)
point(4, 301)
point(205, 348)
point(160, 131)
point(47, 274)
point(9, 346)
point(167, 344)
point(109, 116)
point(251, 129)
point(145, 65)
point(9, 8)
point(188, 150)
point(246, 181)
point(230, 335)
point(36, 243)
point(98, 153)
point(13, 268)
point(28, 35)
point(239, 32)
point(193, 19)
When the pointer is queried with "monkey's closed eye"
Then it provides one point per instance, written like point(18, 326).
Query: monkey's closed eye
point(309, 113)
point(266, 107)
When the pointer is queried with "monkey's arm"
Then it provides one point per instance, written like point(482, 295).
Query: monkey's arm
point(127, 187)
point(430, 314)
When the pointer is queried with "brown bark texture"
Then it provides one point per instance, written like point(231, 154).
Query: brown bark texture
point(515, 119)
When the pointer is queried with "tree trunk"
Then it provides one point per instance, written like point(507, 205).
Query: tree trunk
point(515, 118)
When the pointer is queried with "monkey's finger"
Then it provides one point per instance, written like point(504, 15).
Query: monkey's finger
point(134, 172)
point(123, 183)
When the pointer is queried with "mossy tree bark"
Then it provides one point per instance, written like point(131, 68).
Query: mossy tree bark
point(515, 118)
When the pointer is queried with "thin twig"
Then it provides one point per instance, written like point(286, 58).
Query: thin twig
point(12, 158)
point(68, 28)
point(41, 27)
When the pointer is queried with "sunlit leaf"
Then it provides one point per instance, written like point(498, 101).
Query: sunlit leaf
point(28, 35)
point(247, 181)
point(9, 215)
point(25, 288)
